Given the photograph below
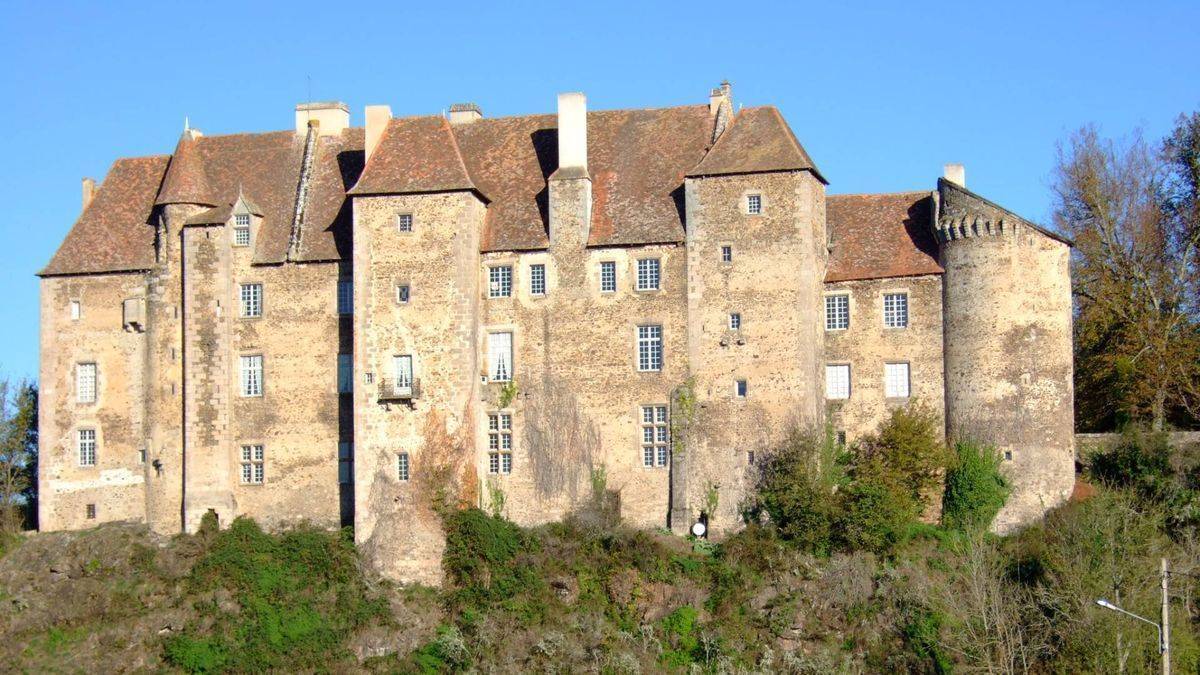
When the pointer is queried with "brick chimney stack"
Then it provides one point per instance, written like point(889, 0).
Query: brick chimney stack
point(378, 117)
point(331, 116)
point(721, 95)
point(465, 113)
point(572, 133)
point(89, 191)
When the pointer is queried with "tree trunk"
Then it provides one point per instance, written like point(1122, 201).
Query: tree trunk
point(1158, 410)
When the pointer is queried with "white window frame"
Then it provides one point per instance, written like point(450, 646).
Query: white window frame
point(253, 464)
point(402, 370)
point(345, 296)
point(252, 375)
point(537, 279)
point(741, 388)
point(76, 309)
point(838, 383)
point(251, 300)
point(404, 223)
point(837, 311)
point(735, 321)
point(86, 444)
point(403, 294)
point(649, 274)
point(608, 276)
point(86, 381)
point(500, 356)
point(655, 429)
point(345, 373)
point(726, 253)
point(649, 348)
point(403, 467)
point(500, 281)
point(754, 204)
point(241, 229)
point(500, 443)
point(895, 309)
point(897, 380)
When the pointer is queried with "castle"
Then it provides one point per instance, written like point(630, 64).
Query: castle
point(346, 325)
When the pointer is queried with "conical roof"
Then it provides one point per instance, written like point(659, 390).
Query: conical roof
point(186, 181)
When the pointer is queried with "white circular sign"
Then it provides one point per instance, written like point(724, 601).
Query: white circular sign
point(699, 529)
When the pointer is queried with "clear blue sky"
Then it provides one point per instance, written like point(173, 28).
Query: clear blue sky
point(880, 95)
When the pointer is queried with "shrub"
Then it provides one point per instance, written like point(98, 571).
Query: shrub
point(795, 488)
point(683, 644)
point(481, 556)
point(874, 516)
point(906, 452)
point(1139, 460)
point(975, 488)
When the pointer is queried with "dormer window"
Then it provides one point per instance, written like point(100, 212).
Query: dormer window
point(241, 229)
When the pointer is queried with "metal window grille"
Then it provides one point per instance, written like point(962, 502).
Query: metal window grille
point(500, 282)
point(402, 466)
point(87, 447)
point(345, 296)
point(85, 383)
point(837, 312)
point(252, 300)
point(649, 344)
point(895, 310)
point(735, 321)
point(895, 379)
point(754, 204)
point(252, 464)
point(402, 293)
point(608, 276)
point(537, 279)
point(252, 375)
point(648, 274)
point(837, 382)
point(656, 436)
point(500, 357)
point(499, 443)
point(404, 222)
point(726, 254)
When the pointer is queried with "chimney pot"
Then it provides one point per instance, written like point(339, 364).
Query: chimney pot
point(378, 117)
point(89, 191)
point(572, 131)
point(331, 116)
point(955, 173)
point(465, 113)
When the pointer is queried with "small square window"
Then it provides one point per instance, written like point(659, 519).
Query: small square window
point(90, 511)
point(537, 279)
point(726, 254)
point(500, 282)
point(404, 222)
point(345, 296)
point(402, 293)
point(837, 312)
point(735, 321)
point(76, 310)
point(402, 467)
point(1008, 455)
point(648, 274)
point(740, 388)
point(142, 456)
point(754, 204)
point(608, 276)
point(895, 310)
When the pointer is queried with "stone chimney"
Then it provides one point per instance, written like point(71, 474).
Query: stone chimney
point(378, 117)
point(89, 191)
point(572, 135)
point(465, 113)
point(722, 95)
point(955, 173)
point(331, 116)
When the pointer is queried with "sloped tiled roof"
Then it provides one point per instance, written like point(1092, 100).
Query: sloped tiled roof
point(879, 236)
point(757, 141)
point(415, 154)
point(114, 233)
point(186, 181)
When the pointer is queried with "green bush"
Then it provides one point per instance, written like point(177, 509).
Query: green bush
point(874, 516)
point(481, 556)
point(975, 489)
point(795, 488)
point(680, 629)
point(1140, 460)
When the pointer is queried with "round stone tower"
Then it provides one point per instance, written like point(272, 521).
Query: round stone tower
point(1008, 349)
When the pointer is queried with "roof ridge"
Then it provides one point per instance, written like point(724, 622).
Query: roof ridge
point(880, 194)
point(462, 163)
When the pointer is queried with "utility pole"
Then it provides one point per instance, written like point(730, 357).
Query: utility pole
point(1165, 647)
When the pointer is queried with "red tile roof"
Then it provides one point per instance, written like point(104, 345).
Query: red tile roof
point(186, 181)
point(758, 140)
point(415, 154)
point(880, 236)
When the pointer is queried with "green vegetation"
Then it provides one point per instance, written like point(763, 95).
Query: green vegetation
point(975, 489)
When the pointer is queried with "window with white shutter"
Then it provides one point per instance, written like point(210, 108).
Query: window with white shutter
point(500, 357)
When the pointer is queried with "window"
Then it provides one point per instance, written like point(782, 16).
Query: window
point(252, 375)
point(402, 293)
point(500, 368)
point(656, 436)
point(252, 464)
point(754, 204)
point(402, 466)
point(87, 447)
point(895, 380)
point(739, 388)
point(252, 300)
point(837, 312)
point(537, 279)
point(345, 296)
point(499, 443)
point(345, 374)
point(649, 346)
point(1008, 455)
point(726, 254)
point(895, 310)
point(85, 382)
point(241, 229)
point(500, 282)
point(89, 511)
point(76, 310)
point(735, 321)
point(837, 382)
point(404, 222)
point(402, 370)
point(345, 462)
point(841, 439)
point(608, 276)
point(142, 456)
point(648, 274)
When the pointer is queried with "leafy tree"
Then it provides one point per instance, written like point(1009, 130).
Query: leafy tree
point(18, 454)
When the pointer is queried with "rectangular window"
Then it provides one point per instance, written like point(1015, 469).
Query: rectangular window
point(656, 436)
point(85, 382)
point(895, 380)
point(726, 254)
point(735, 321)
point(404, 222)
point(837, 312)
point(252, 300)
point(252, 375)
point(500, 282)
point(500, 357)
point(648, 274)
point(89, 511)
point(345, 373)
point(345, 296)
point(608, 276)
point(241, 229)
point(740, 388)
point(895, 310)
point(87, 447)
point(649, 346)
point(402, 468)
point(402, 370)
point(499, 443)
point(345, 462)
point(537, 279)
point(252, 464)
point(837, 382)
point(76, 310)
point(754, 204)
point(402, 293)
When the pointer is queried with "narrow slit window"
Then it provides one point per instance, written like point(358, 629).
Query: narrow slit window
point(402, 467)
point(76, 310)
point(403, 293)
point(726, 254)
point(740, 388)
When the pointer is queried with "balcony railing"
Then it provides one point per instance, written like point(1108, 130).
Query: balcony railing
point(393, 390)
